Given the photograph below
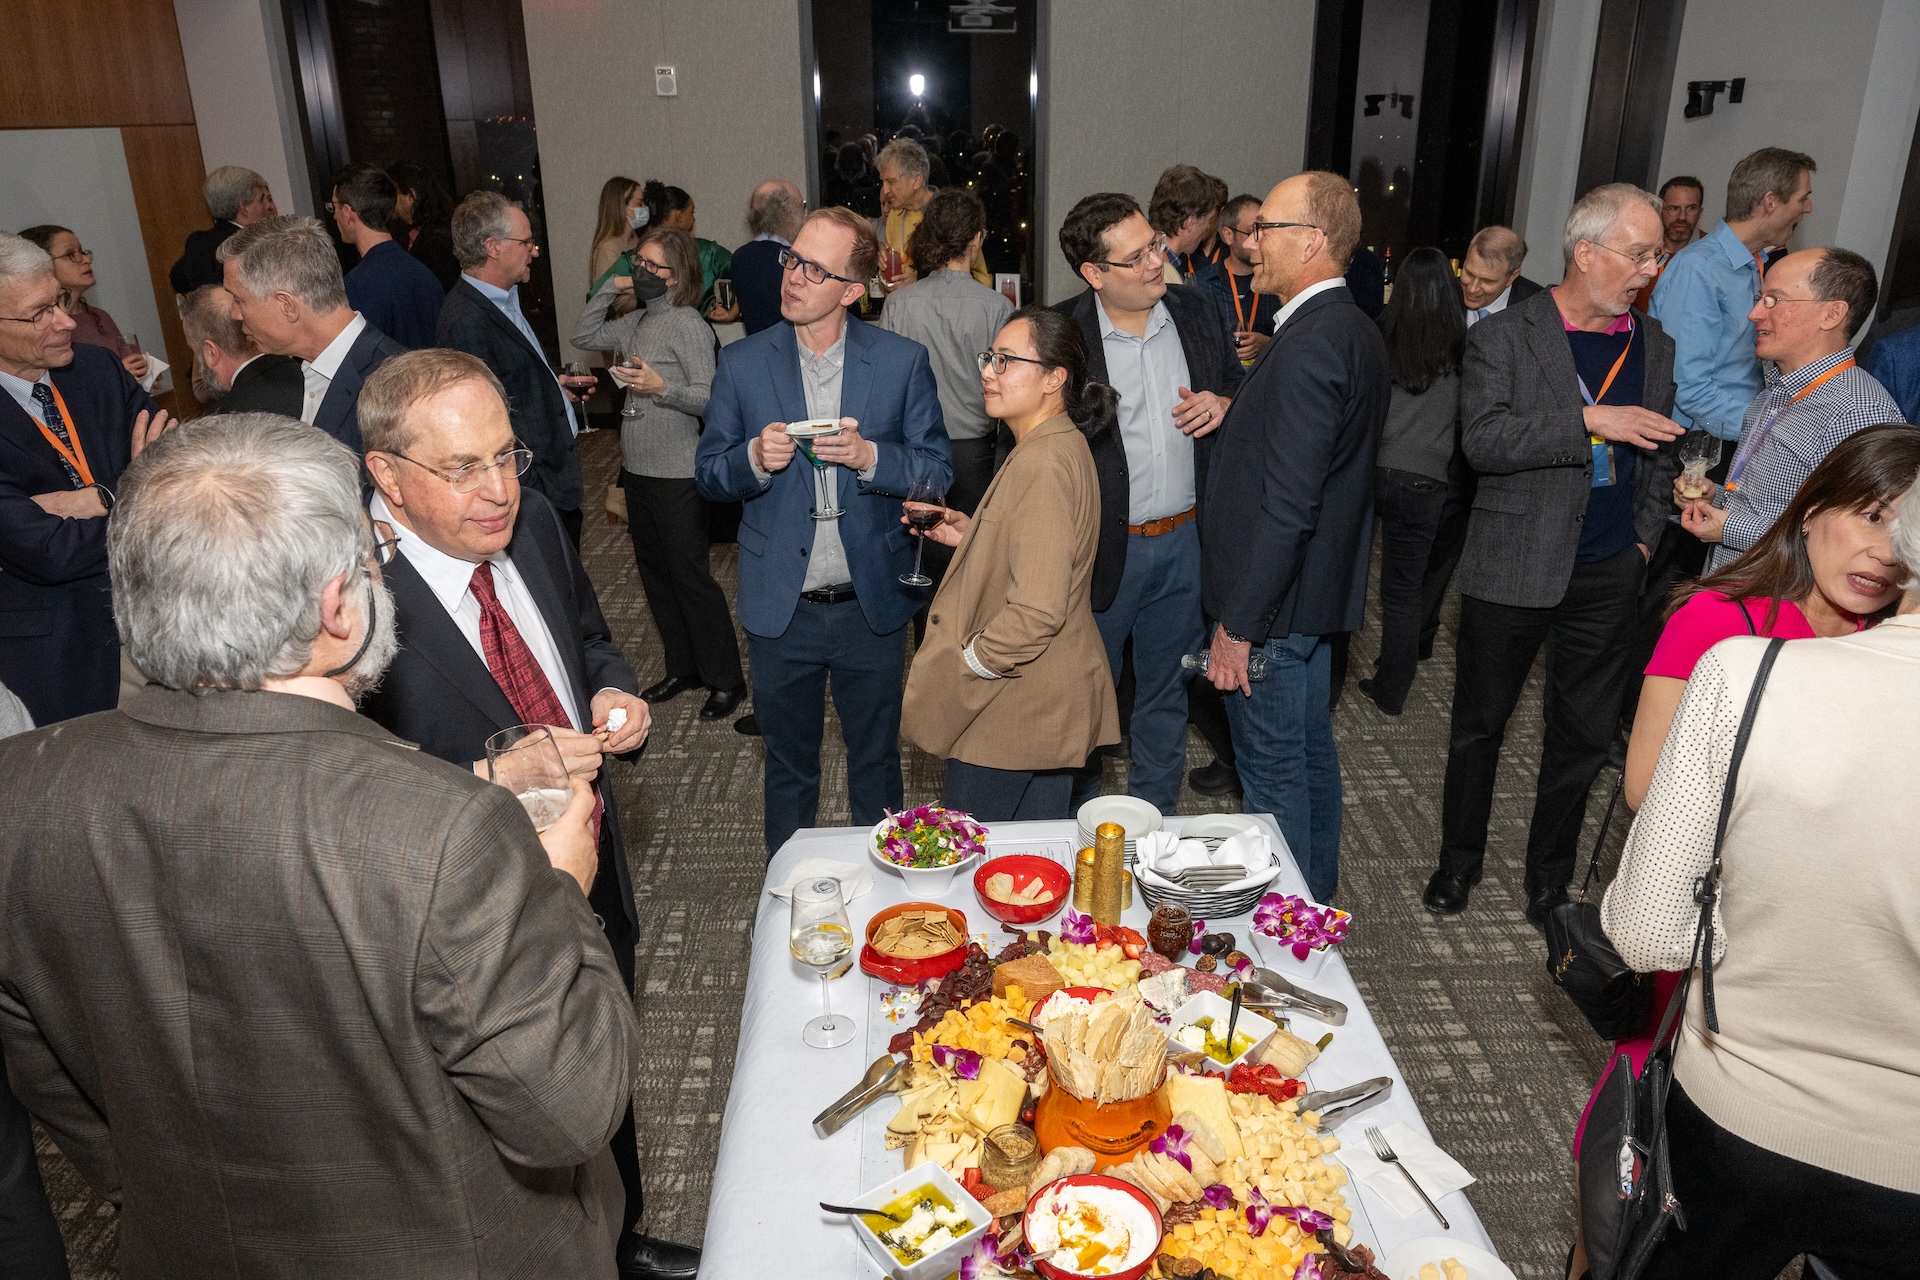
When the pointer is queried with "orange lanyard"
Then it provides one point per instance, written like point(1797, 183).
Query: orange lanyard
point(1246, 325)
point(76, 456)
point(1773, 419)
point(1611, 373)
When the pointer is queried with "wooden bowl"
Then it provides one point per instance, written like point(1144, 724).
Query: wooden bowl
point(1024, 868)
point(906, 973)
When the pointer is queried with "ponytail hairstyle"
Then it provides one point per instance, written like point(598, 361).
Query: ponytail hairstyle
point(662, 200)
point(1059, 344)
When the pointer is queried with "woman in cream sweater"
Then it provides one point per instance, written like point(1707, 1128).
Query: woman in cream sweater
point(1796, 1127)
point(1011, 685)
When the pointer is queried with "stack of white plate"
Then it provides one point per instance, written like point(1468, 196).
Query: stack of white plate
point(1135, 816)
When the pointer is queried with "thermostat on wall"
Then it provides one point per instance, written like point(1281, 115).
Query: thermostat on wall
point(665, 83)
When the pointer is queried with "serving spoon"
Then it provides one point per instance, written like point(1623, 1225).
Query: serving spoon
point(861, 1213)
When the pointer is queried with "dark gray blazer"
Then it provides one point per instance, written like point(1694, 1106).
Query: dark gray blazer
point(304, 1000)
point(1524, 432)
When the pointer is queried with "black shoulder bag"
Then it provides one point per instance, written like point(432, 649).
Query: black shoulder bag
point(1626, 1184)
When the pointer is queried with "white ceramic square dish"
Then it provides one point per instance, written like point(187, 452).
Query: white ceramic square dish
point(1205, 1004)
point(942, 1262)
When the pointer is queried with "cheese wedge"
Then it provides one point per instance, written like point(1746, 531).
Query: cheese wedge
point(1206, 1098)
point(995, 1097)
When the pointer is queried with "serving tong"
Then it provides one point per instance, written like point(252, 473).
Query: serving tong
point(1266, 991)
point(884, 1076)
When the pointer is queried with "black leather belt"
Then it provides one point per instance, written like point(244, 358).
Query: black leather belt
point(828, 595)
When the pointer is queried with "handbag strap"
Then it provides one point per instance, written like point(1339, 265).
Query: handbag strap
point(1599, 841)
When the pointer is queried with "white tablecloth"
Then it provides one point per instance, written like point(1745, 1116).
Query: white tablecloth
point(772, 1172)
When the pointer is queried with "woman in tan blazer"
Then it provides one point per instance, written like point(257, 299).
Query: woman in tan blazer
point(1011, 684)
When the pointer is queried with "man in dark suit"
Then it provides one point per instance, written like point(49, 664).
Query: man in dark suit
point(773, 215)
point(299, 998)
point(1166, 351)
point(243, 378)
point(822, 597)
point(1288, 525)
point(236, 197)
point(395, 291)
point(494, 241)
point(499, 626)
point(289, 299)
point(1564, 401)
point(70, 421)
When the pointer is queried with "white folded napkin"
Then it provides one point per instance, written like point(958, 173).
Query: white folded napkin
point(854, 880)
point(1169, 855)
point(155, 367)
point(1437, 1172)
point(1250, 850)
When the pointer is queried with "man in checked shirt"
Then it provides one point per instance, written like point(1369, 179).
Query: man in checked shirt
point(1814, 396)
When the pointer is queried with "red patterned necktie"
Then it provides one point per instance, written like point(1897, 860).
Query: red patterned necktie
point(514, 667)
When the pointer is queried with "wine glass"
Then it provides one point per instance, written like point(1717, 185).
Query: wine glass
point(821, 939)
point(526, 761)
point(926, 505)
point(577, 371)
point(632, 407)
point(1699, 450)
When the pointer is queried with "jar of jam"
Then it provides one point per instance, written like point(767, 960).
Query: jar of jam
point(1170, 931)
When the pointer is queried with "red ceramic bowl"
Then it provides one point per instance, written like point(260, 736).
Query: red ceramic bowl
point(1024, 868)
point(1140, 1197)
point(907, 972)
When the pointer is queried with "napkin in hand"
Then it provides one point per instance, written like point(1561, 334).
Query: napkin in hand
point(854, 880)
point(1436, 1171)
point(155, 367)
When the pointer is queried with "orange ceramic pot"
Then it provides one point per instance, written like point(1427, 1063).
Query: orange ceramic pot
point(1114, 1132)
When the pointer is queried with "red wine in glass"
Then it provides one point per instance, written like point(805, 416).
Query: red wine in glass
point(925, 508)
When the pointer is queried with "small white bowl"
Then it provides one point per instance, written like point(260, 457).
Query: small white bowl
point(1205, 1004)
point(943, 1262)
point(922, 882)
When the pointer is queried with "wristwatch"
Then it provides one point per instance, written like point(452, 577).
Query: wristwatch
point(106, 495)
point(1237, 639)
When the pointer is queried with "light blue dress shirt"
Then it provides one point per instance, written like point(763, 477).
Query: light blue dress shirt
point(1702, 301)
point(22, 392)
point(508, 300)
point(1148, 372)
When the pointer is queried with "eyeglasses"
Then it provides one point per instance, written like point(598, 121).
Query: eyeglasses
point(470, 477)
point(525, 240)
point(1258, 228)
point(1149, 256)
point(76, 255)
point(654, 268)
point(385, 549)
point(1772, 300)
point(1651, 258)
point(811, 272)
point(999, 360)
point(41, 319)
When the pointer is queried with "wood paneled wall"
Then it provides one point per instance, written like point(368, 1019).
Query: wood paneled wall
point(80, 64)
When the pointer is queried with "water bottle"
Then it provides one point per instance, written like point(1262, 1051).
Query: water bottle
point(1256, 663)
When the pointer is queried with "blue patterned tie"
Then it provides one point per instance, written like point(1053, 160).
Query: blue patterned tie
point(49, 414)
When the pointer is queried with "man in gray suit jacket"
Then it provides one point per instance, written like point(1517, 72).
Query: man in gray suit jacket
point(303, 1000)
point(1564, 400)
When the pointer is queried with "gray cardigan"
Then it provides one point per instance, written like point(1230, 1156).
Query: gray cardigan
point(1420, 430)
point(678, 345)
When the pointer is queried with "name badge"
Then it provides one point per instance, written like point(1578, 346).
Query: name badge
point(1603, 473)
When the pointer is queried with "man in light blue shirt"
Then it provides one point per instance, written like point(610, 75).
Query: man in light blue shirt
point(1705, 293)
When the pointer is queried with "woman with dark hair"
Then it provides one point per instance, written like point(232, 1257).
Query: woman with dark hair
point(423, 220)
point(73, 270)
point(666, 363)
point(1426, 332)
point(1010, 685)
point(671, 207)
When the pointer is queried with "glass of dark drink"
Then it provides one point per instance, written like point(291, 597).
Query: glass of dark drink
point(926, 506)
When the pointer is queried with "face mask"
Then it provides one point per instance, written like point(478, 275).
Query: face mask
point(638, 215)
point(646, 285)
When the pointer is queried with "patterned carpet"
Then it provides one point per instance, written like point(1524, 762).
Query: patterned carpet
point(1501, 1063)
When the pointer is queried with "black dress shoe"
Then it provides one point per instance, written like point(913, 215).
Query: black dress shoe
point(645, 1258)
point(748, 725)
point(1539, 904)
point(1366, 687)
point(670, 688)
point(721, 702)
point(1447, 893)
point(1216, 779)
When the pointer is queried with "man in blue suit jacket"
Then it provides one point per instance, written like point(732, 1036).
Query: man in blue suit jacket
point(823, 597)
point(70, 421)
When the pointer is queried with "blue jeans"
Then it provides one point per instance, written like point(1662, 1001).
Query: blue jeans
point(1158, 604)
point(1283, 738)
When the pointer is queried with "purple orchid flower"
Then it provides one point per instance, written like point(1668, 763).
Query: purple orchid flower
point(1308, 1220)
point(1309, 1268)
point(1199, 928)
point(1303, 926)
point(1219, 1196)
point(1259, 1213)
point(1173, 1144)
point(965, 1062)
point(984, 1261)
point(1076, 927)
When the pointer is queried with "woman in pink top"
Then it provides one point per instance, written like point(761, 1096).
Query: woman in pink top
point(1825, 568)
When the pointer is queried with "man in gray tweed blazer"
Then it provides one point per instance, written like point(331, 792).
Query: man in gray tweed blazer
point(303, 1000)
point(1564, 401)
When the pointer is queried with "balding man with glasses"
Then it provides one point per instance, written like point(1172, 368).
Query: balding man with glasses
point(822, 547)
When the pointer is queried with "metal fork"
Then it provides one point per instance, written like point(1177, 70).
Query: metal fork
point(1384, 1153)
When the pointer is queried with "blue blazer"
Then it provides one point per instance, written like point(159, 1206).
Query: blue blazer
point(887, 387)
point(59, 649)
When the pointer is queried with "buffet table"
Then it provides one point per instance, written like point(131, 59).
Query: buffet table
point(763, 1216)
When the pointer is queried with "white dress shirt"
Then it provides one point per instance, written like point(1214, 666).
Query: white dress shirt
point(1476, 315)
point(22, 391)
point(318, 372)
point(1294, 303)
point(451, 582)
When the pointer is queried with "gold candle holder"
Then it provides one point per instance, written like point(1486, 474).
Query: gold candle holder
point(1109, 866)
point(1083, 881)
point(1126, 890)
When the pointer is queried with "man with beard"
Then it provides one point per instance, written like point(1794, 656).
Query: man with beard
point(296, 997)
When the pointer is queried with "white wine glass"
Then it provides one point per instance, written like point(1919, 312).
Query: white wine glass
point(821, 938)
point(926, 506)
point(631, 406)
point(526, 761)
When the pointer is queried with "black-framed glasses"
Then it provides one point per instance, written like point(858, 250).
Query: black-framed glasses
point(652, 268)
point(811, 272)
point(76, 254)
point(1151, 255)
point(470, 477)
point(40, 319)
point(525, 240)
point(1650, 258)
point(1259, 228)
point(999, 360)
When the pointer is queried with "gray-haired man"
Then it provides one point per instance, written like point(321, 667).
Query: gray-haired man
point(289, 297)
point(300, 999)
point(236, 197)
